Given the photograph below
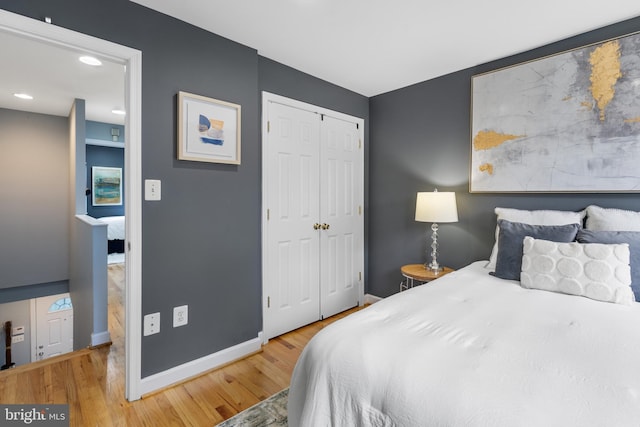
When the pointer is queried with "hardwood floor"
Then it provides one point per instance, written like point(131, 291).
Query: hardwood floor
point(92, 381)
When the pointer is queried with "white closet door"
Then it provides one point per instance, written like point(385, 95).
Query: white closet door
point(341, 245)
point(292, 244)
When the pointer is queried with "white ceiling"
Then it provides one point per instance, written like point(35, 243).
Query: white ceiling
point(54, 76)
point(367, 46)
point(375, 46)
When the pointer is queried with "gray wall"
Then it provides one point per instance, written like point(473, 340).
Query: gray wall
point(18, 314)
point(201, 243)
point(420, 140)
point(34, 212)
point(97, 155)
point(77, 159)
point(88, 282)
point(286, 81)
point(110, 157)
point(87, 245)
point(102, 131)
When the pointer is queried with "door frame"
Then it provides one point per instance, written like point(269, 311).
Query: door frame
point(132, 60)
point(268, 97)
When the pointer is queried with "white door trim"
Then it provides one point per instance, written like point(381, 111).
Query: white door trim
point(132, 59)
point(272, 97)
point(268, 97)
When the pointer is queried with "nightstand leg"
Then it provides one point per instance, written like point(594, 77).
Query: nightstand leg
point(406, 283)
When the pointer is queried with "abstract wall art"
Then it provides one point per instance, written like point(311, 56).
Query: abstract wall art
point(564, 123)
point(208, 129)
point(106, 186)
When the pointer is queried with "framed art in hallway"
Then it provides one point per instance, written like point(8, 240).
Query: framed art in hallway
point(208, 129)
point(569, 122)
point(106, 186)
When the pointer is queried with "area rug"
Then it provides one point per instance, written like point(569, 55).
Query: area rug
point(271, 412)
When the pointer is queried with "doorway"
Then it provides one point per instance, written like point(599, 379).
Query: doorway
point(53, 326)
point(132, 60)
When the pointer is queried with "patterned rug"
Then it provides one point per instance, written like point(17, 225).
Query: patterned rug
point(271, 412)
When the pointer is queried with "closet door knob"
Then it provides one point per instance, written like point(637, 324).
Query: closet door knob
point(316, 226)
point(325, 226)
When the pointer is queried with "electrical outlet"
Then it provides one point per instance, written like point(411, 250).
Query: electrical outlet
point(180, 315)
point(151, 324)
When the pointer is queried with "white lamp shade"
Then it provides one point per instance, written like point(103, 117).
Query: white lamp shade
point(436, 206)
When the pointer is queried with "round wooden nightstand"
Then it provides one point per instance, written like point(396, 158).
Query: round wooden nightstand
point(413, 273)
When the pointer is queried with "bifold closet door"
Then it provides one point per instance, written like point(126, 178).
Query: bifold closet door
point(292, 184)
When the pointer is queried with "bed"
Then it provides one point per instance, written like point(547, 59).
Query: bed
point(476, 349)
point(115, 233)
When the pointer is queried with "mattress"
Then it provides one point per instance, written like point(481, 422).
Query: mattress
point(470, 349)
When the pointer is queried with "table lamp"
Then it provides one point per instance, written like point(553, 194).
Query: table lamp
point(436, 206)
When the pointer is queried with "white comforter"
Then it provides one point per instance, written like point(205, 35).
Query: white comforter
point(473, 350)
point(115, 227)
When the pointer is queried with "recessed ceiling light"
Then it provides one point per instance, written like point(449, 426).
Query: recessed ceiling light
point(23, 96)
point(90, 60)
point(118, 112)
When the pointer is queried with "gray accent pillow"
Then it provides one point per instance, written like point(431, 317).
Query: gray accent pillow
point(510, 241)
point(630, 237)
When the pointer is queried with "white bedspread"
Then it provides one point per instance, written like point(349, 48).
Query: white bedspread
point(473, 350)
point(115, 228)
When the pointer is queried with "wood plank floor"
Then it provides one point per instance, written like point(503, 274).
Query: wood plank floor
point(92, 381)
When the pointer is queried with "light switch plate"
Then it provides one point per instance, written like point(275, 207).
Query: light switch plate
point(152, 189)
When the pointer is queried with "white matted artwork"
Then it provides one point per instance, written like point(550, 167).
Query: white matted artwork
point(564, 123)
point(208, 129)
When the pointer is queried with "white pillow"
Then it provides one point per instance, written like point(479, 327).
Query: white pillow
point(537, 217)
point(609, 219)
point(593, 270)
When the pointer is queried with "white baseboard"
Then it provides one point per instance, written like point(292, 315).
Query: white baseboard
point(371, 299)
point(196, 367)
point(100, 338)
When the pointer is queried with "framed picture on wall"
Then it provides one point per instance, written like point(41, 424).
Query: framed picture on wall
point(208, 129)
point(106, 186)
point(568, 122)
